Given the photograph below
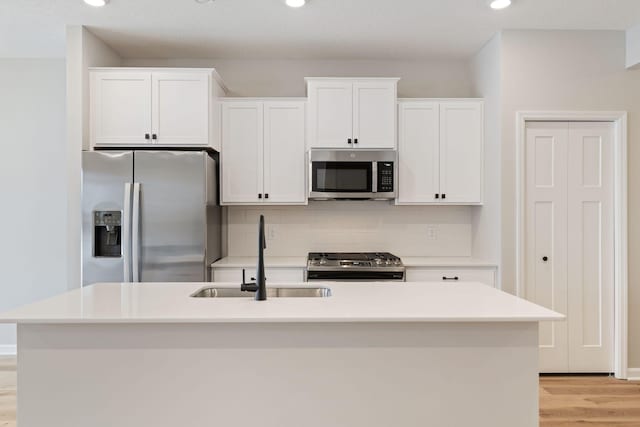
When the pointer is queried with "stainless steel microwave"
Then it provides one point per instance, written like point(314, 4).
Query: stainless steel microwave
point(352, 174)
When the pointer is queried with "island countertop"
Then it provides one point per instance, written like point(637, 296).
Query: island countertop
point(350, 302)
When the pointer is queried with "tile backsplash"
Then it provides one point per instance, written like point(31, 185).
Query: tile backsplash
point(352, 226)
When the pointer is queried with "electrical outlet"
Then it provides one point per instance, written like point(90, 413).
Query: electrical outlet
point(432, 233)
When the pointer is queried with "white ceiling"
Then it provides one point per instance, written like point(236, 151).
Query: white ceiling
point(324, 29)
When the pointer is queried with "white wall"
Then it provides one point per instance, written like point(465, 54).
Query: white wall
point(84, 50)
point(286, 77)
point(487, 72)
point(32, 184)
point(352, 226)
point(570, 70)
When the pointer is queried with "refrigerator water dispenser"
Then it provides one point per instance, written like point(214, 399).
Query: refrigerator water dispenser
point(107, 237)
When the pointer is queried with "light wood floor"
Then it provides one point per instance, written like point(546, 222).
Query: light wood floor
point(564, 401)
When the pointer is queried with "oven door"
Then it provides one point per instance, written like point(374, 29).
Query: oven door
point(342, 180)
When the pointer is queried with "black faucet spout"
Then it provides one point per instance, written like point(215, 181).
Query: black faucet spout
point(261, 293)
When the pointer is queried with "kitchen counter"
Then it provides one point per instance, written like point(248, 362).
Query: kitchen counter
point(301, 262)
point(350, 302)
point(371, 355)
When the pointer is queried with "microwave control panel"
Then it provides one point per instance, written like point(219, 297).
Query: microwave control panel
point(385, 177)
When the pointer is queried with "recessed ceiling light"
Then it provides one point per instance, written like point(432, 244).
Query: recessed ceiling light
point(296, 3)
point(96, 3)
point(499, 4)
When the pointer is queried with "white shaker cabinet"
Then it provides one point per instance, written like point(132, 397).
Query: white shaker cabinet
point(352, 113)
point(263, 152)
point(139, 107)
point(440, 152)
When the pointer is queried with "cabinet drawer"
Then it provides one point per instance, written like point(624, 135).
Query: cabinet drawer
point(486, 276)
point(273, 275)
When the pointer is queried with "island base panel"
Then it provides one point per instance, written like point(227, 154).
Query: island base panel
point(278, 375)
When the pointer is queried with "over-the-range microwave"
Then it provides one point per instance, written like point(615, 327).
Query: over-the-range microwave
point(352, 174)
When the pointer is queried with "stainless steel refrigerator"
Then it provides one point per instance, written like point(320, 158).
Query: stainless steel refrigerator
point(149, 216)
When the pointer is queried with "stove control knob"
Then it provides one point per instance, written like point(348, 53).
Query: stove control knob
point(323, 261)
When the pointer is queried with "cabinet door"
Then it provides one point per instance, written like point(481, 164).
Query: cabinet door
point(180, 108)
point(461, 158)
point(284, 153)
point(330, 114)
point(374, 114)
point(242, 154)
point(120, 108)
point(418, 153)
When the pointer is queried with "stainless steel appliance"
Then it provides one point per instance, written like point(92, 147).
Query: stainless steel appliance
point(149, 216)
point(352, 174)
point(358, 266)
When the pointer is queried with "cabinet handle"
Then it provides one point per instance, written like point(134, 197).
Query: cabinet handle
point(355, 141)
point(266, 195)
point(444, 196)
point(259, 195)
point(348, 140)
point(154, 136)
point(437, 196)
point(147, 136)
point(445, 278)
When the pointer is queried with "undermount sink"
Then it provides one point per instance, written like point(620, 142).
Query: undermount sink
point(213, 292)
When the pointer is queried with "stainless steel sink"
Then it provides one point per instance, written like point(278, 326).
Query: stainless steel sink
point(311, 292)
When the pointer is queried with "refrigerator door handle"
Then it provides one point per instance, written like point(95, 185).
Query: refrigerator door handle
point(135, 232)
point(126, 232)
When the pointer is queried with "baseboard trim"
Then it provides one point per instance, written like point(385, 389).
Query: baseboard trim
point(633, 374)
point(8, 350)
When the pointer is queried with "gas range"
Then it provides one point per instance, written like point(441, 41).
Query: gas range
point(356, 266)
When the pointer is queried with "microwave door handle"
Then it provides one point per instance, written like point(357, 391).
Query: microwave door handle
point(374, 177)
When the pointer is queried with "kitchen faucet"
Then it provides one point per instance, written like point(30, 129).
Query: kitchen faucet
point(259, 286)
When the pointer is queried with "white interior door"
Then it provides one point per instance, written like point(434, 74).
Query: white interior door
point(242, 165)
point(569, 241)
point(330, 114)
point(180, 108)
point(374, 114)
point(418, 153)
point(590, 256)
point(284, 165)
point(120, 108)
point(546, 236)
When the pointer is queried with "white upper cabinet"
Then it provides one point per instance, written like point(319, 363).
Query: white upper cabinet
point(120, 108)
point(418, 152)
point(352, 113)
point(241, 157)
point(284, 152)
point(180, 111)
point(170, 108)
point(440, 151)
point(461, 154)
point(263, 152)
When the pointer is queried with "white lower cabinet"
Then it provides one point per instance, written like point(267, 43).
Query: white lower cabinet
point(273, 275)
point(452, 275)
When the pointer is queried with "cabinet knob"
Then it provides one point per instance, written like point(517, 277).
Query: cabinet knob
point(348, 140)
point(437, 196)
point(147, 136)
point(259, 195)
point(545, 258)
point(266, 195)
point(355, 141)
point(444, 196)
point(154, 136)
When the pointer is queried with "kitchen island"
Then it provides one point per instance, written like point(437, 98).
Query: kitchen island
point(374, 355)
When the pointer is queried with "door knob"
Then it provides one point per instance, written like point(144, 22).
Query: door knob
point(545, 258)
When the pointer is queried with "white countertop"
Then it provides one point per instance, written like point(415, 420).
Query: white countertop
point(350, 302)
point(301, 262)
point(269, 262)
